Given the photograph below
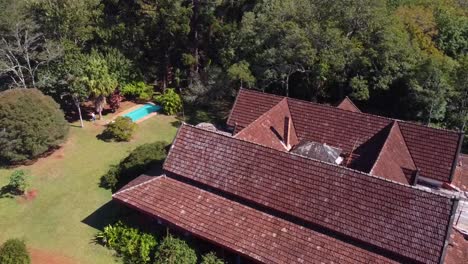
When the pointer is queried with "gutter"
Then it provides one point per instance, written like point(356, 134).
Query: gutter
point(449, 229)
point(457, 154)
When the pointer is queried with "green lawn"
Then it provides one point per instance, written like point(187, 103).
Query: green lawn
point(68, 192)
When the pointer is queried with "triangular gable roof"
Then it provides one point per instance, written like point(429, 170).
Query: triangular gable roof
point(399, 219)
point(434, 151)
point(348, 105)
point(394, 161)
point(268, 129)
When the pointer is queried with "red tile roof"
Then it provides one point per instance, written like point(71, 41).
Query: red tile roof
point(394, 161)
point(394, 217)
point(252, 233)
point(268, 129)
point(348, 105)
point(433, 150)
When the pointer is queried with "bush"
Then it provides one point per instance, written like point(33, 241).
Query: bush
point(175, 251)
point(13, 251)
point(18, 184)
point(211, 258)
point(121, 129)
point(30, 124)
point(139, 90)
point(135, 246)
point(137, 162)
point(170, 102)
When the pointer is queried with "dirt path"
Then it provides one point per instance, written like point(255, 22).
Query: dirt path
point(39, 256)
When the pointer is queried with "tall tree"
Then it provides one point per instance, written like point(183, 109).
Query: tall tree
point(98, 80)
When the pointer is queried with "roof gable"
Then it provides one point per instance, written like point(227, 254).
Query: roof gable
point(397, 218)
point(269, 129)
point(348, 105)
point(433, 150)
point(394, 161)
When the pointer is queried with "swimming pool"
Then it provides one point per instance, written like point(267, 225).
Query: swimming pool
point(143, 111)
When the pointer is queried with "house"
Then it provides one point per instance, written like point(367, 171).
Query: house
point(298, 182)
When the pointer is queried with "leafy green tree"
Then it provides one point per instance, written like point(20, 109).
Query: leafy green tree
point(452, 37)
point(138, 90)
point(240, 72)
point(122, 129)
point(170, 101)
point(175, 251)
point(211, 258)
point(14, 251)
point(430, 89)
point(98, 80)
point(30, 124)
point(18, 182)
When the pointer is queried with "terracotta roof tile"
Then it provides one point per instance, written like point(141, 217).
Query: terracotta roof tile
point(257, 235)
point(268, 130)
point(394, 217)
point(348, 105)
point(433, 150)
point(394, 161)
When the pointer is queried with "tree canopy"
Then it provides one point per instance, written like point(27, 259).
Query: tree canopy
point(390, 56)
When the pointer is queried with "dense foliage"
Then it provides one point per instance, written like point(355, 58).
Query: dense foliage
point(18, 182)
point(122, 129)
point(138, 90)
point(140, 160)
point(400, 58)
point(14, 251)
point(30, 124)
point(175, 251)
point(170, 101)
point(133, 245)
point(211, 258)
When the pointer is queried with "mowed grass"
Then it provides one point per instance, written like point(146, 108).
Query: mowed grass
point(68, 192)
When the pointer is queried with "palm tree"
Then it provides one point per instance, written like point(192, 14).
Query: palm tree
point(99, 81)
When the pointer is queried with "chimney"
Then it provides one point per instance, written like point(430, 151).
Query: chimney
point(287, 130)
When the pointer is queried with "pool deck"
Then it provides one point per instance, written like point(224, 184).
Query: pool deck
point(136, 107)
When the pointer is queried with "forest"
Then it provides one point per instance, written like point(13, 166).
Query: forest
point(399, 58)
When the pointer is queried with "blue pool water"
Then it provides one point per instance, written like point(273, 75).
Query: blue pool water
point(143, 111)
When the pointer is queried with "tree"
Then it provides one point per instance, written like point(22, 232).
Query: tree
point(170, 101)
point(98, 80)
point(30, 124)
point(211, 258)
point(14, 251)
point(122, 129)
point(175, 251)
point(240, 72)
point(23, 48)
point(18, 183)
point(430, 90)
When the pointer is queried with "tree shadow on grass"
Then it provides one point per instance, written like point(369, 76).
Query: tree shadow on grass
point(6, 192)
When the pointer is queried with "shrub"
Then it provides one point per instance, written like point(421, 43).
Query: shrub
point(121, 129)
point(137, 162)
point(135, 246)
point(139, 90)
point(211, 258)
point(170, 102)
point(13, 251)
point(175, 251)
point(114, 100)
point(30, 124)
point(18, 184)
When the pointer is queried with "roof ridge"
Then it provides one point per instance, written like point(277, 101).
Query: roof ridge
point(383, 147)
point(359, 113)
point(140, 184)
point(327, 163)
point(406, 145)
